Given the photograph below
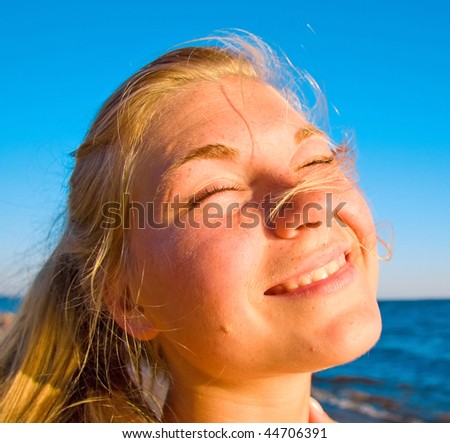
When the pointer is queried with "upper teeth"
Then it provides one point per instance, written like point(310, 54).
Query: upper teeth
point(306, 279)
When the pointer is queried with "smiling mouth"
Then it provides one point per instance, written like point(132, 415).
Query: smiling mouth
point(308, 278)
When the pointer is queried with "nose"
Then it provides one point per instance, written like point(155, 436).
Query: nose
point(308, 211)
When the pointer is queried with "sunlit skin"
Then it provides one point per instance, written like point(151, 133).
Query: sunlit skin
point(235, 352)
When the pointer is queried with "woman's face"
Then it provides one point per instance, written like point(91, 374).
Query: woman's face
point(230, 295)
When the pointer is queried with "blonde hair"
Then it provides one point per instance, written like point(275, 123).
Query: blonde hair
point(65, 359)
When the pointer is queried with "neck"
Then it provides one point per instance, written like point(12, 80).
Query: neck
point(274, 400)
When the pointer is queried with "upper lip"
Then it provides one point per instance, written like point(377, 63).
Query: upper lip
point(314, 260)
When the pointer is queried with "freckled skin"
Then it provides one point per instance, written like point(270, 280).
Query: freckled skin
point(203, 289)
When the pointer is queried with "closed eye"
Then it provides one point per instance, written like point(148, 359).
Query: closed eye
point(196, 199)
point(318, 161)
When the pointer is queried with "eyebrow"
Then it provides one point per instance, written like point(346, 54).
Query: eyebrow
point(214, 151)
point(306, 132)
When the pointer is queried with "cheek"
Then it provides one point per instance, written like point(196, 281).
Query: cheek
point(357, 216)
point(364, 228)
point(213, 259)
point(201, 273)
point(199, 294)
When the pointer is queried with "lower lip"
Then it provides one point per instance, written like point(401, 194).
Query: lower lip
point(334, 283)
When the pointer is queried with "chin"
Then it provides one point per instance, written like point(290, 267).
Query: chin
point(354, 336)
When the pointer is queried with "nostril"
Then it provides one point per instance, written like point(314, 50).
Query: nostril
point(313, 225)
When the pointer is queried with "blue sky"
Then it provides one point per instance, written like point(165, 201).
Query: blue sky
point(384, 65)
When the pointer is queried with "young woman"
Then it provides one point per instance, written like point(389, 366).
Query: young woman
point(216, 253)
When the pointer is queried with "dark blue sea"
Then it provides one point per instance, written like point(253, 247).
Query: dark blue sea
point(9, 304)
point(404, 378)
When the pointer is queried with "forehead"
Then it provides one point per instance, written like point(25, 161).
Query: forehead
point(244, 113)
point(235, 108)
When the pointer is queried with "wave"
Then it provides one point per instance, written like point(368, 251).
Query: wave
point(357, 399)
point(358, 407)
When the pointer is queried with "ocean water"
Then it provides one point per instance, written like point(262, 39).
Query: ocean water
point(404, 378)
point(9, 304)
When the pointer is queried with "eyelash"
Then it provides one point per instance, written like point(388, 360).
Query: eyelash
point(319, 161)
point(203, 195)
